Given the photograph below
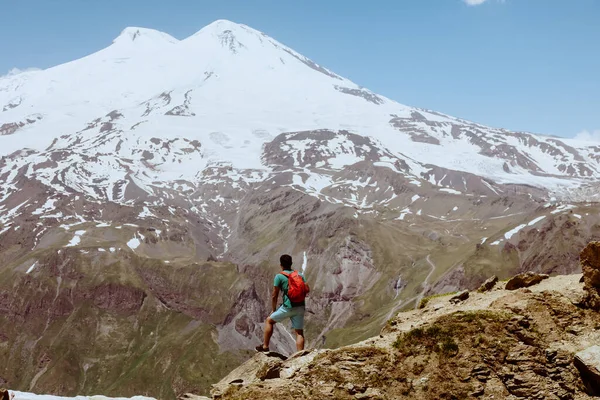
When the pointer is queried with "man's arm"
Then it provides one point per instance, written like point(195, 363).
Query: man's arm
point(274, 298)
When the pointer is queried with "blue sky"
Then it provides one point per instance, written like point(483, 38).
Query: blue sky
point(528, 65)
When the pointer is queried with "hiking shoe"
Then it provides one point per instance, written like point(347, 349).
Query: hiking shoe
point(261, 349)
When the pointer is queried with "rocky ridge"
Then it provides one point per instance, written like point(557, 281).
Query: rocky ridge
point(528, 343)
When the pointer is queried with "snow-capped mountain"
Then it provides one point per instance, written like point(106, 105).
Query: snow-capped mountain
point(230, 90)
point(157, 180)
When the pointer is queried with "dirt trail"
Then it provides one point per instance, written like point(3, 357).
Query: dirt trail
point(425, 282)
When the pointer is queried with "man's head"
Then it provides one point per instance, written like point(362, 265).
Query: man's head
point(285, 261)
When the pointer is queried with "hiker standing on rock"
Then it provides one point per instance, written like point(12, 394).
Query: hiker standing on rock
point(294, 289)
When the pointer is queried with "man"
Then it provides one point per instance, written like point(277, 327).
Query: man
point(293, 287)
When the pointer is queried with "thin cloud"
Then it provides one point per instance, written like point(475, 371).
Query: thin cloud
point(480, 2)
point(589, 136)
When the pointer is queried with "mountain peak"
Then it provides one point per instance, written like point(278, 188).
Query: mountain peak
point(134, 34)
point(223, 26)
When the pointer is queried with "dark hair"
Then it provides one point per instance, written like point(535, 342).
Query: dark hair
point(285, 261)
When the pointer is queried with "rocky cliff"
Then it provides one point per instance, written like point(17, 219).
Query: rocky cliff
point(536, 341)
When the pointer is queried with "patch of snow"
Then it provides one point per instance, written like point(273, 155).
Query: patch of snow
point(451, 191)
point(76, 239)
point(31, 268)
point(57, 215)
point(68, 227)
point(564, 207)
point(404, 212)
point(145, 213)
point(49, 205)
point(510, 233)
point(577, 216)
point(134, 243)
point(536, 220)
point(513, 231)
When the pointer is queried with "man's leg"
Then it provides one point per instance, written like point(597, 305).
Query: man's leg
point(298, 325)
point(269, 325)
point(299, 339)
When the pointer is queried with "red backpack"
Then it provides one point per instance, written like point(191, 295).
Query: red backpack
point(296, 287)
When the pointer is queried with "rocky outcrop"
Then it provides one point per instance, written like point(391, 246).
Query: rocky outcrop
point(502, 344)
point(117, 298)
point(588, 363)
point(590, 265)
point(264, 367)
point(488, 284)
point(525, 280)
point(461, 296)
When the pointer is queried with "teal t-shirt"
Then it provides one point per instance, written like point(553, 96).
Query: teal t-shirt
point(281, 281)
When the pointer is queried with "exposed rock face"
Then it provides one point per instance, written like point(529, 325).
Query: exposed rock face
point(525, 280)
point(488, 284)
point(588, 363)
point(460, 297)
point(590, 264)
point(502, 345)
point(263, 367)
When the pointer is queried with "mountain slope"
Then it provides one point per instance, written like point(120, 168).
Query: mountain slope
point(147, 190)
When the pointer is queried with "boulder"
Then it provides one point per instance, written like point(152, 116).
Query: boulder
point(488, 285)
point(461, 296)
point(525, 280)
point(588, 363)
point(263, 367)
point(590, 265)
point(259, 368)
